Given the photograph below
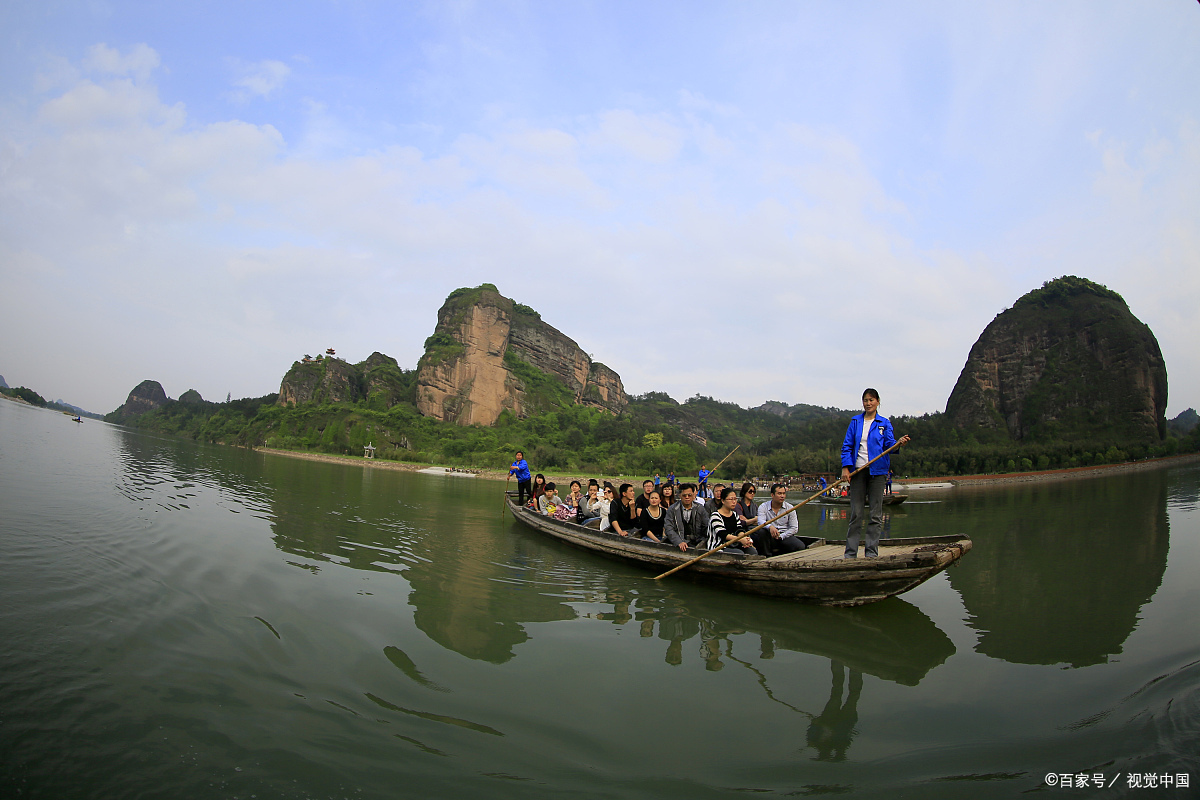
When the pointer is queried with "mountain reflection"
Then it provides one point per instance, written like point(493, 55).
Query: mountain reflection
point(477, 580)
point(1059, 572)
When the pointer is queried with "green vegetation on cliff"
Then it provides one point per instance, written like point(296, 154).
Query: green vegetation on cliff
point(1070, 357)
point(652, 435)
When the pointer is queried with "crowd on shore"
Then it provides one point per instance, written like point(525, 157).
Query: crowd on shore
point(695, 516)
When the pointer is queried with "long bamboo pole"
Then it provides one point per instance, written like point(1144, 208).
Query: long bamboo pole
point(833, 485)
point(722, 461)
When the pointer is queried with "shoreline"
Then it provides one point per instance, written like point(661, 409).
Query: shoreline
point(1069, 473)
point(1003, 478)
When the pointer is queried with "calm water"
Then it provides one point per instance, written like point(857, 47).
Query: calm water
point(206, 622)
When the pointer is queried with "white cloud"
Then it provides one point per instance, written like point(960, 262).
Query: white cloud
point(666, 242)
point(139, 62)
point(260, 79)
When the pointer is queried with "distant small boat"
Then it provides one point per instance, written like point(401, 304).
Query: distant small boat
point(815, 575)
point(448, 471)
point(888, 500)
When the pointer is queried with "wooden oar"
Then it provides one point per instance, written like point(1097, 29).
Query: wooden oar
point(505, 499)
point(719, 463)
point(835, 484)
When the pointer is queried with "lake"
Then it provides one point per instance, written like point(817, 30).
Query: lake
point(208, 622)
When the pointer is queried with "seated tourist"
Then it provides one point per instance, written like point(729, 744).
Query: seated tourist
point(573, 499)
point(668, 495)
point(589, 505)
point(606, 505)
point(724, 526)
point(549, 501)
point(746, 508)
point(714, 500)
point(781, 535)
point(653, 518)
point(539, 489)
point(621, 512)
point(644, 500)
point(687, 521)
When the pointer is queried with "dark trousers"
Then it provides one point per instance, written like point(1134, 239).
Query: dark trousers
point(768, 545)
point(866, 497)
point(524, 490)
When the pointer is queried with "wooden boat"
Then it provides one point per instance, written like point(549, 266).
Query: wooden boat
point(815, 575)
point(888, 500)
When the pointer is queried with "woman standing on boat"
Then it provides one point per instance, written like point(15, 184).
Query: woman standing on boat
point(869, 435)
point(724, 525)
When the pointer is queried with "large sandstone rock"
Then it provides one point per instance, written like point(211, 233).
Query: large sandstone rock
point(1067, 361)
point(488, 354)
point(146, 396)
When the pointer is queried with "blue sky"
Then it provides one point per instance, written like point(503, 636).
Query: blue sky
point(750, 201)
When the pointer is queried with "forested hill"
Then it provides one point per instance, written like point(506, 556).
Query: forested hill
point(1021, 402)
point(655, 433)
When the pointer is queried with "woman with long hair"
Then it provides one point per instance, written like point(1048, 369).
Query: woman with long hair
point(668, 495)
point(539, 489)
point(746, 508)
point(724, 525)
point(653, 517)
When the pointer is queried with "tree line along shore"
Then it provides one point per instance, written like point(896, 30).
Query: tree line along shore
point(653, 434)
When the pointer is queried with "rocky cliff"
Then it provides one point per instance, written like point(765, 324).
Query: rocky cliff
point(379, 380)
point(325, 380)
point(1067, 361)
point(146, 396)
point(488, 354)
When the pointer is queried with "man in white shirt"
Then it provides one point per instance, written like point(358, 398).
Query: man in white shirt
point(781, 535)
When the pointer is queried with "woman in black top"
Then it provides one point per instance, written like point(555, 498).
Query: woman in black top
point(653, 518)
point(539, 489)
point(746, 509)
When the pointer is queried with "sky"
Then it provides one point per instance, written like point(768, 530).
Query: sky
point(746, 200)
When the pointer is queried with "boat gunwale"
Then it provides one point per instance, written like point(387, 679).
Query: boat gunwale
point(744, 566)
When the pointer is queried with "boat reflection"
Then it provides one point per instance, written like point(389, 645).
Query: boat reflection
point(892, 639)
point(477, 583)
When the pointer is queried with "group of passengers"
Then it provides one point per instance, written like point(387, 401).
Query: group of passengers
point(724, 515)
point(684, 516)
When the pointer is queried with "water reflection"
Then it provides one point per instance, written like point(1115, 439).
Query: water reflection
point(1059, 572)
point(831, 732)
point(892, 639)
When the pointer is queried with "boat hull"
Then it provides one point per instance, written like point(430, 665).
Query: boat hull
point(816, 575)
point(888, 500)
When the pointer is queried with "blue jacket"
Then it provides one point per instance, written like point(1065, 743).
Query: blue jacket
point(521, 470)
point(880, 438)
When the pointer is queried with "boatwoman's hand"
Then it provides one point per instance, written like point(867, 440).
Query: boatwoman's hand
point(845, 473)
point(903, 440)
